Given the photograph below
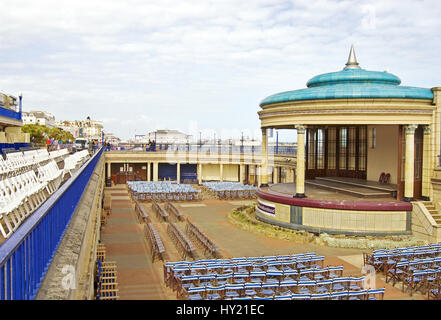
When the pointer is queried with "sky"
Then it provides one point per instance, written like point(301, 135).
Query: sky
point(201, 66)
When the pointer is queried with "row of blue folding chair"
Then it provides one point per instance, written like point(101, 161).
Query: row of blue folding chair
point(274, 287)
point(374, 294)
point(414, 248)
point(239, 260)
point(301, 262)
point(303, 274)
point(359, 294)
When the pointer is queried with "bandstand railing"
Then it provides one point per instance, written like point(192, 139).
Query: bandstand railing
point(26, 256)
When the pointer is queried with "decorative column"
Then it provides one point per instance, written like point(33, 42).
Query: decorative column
point(178, 172)
point(221, 172)
point(409, 162)
point(109, 171)
point(200, 174)
point(427, 156)
point(257, 175)
point(241, 173)
point(149, 173)
point(155, 171)
point(300, 166)
point(275, 174)
point(264, 166)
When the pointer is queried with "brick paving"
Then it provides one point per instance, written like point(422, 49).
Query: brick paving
point(140, 278)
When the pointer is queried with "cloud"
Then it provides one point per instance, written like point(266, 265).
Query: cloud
point(168, 63)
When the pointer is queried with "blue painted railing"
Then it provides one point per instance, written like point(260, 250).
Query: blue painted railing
point(8, 113)
point(26, 256)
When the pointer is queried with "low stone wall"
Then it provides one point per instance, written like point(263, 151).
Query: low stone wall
point(71, 274)
point(335, 221)
point(423, 225)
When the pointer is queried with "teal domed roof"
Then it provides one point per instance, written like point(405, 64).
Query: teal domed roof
point(352, 82)
point(352, 76)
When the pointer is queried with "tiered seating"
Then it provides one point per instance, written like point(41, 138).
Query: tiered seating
point(106, 277)
point(161, 213)
point(181, 240)
point(201, 237)
point(417, 268)
point(156, 245)
point(162, 191)
point(171, 208)
point(74, 161)
point(18, 162)
point(287, 277)
point(26, 180)
point(230, 190)
point(19, 196)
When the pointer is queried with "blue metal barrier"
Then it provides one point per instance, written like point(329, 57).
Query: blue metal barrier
point(26, 256)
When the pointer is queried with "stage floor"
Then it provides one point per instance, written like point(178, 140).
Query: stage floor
point(313, 192)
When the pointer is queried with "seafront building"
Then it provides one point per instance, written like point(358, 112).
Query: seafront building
point(89, 129)
point(42, 118)
point(365, 163)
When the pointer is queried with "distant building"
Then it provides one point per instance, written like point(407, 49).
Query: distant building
point(112, 139)
point(89, 129)
point(42, 118)
point(164, 136)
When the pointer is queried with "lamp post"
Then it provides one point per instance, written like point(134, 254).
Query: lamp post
point(241, 146)
point(20, 97)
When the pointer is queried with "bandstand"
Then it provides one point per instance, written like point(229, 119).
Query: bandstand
point(366, 151)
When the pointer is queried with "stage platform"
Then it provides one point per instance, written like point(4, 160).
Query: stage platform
point(336, 206)
point(341, 188)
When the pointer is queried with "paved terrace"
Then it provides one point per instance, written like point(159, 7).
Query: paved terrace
point(140, 278)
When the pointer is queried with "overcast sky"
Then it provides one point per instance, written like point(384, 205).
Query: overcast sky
point(201, 65)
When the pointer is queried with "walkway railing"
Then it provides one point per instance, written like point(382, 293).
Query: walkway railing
point(223, 149)
point(26, 256)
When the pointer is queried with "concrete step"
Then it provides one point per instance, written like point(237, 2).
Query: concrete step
point(333, 186)
point(358, 184)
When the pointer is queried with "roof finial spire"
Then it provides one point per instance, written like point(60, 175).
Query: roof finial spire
point(352, 60)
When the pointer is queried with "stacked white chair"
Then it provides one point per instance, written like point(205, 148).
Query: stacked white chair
point(74, 161)
point(16, 161)
point(61, 153)
point(27, 179)
point(20, 195)
point(51, 175)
